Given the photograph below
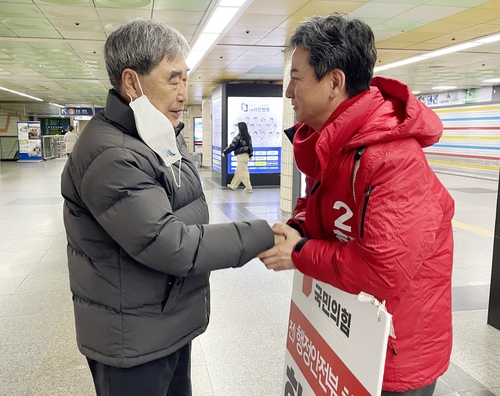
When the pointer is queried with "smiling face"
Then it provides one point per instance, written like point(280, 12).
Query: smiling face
point(313, 100)
point(165, 87)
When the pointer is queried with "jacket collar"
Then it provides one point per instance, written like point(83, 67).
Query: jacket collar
point(122, 116)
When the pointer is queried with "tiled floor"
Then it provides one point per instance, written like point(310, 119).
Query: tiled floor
point(242, 352)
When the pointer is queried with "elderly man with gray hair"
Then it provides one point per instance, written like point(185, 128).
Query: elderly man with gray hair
point(140, 249)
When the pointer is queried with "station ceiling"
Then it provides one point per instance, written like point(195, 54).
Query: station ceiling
point(53, 49)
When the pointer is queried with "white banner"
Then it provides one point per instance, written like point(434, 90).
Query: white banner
point(336, 344)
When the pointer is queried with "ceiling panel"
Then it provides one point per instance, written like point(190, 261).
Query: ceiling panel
point(54, 48)
point(65, 12)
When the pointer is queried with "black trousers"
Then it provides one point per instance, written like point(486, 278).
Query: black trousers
point(168, 376)
point(424, 391)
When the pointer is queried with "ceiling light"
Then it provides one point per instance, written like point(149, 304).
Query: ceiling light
point(232, 3)
point(399, 63)
point(205, 41)
point(487, 40)
point(220, 19)
point(218, 22)
point(440, 52)
point(416, 92)
point(193, 59)
point(492, 80)
point(449, 50)
point(55, 104)
point(19, 93)
point(444, 87)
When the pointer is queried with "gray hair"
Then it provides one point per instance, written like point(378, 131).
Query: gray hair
point(141, 44)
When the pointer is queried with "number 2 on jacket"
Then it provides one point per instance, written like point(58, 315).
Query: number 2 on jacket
point(340, 222)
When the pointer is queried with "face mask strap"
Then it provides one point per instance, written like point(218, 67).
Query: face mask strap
point(140, 86)
point(173, 174)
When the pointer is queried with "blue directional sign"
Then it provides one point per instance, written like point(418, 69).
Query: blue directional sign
point(77, 111)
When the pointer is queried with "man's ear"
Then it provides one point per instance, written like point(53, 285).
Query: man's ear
point(130, 85)
point(337, 79)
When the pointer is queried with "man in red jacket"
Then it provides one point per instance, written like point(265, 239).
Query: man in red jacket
point(375, 217)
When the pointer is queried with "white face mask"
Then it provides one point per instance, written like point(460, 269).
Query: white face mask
point(156, 130)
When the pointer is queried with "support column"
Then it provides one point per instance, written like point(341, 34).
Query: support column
point(206, 115)
point(287, 194)
point(494, 304)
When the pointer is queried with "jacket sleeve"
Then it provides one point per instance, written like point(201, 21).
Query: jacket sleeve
point(399, 227)
point(135, 211)
point(233, 146)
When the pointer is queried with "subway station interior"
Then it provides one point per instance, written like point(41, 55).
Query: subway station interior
point(52, 75)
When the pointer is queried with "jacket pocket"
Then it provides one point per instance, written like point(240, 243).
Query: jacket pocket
point(168, 290)
point(363, 214)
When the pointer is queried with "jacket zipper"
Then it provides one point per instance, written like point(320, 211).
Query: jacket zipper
point(394, 352)
point(363, 214)
point(357, 160)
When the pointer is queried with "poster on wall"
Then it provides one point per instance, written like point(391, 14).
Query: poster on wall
point(198, 134)
point(216, 135)
point(336, 341)
point(29, 135)
point(264, 119)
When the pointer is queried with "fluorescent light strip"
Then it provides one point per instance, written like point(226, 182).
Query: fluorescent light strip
point(218, 22)
point(220, 19)
point(440, 52)
point(19, 93)
point(444, 87)
point(449, 50)
point(55, 104)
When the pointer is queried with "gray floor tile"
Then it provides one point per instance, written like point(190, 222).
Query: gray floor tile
point(458, 380)
point(37, 201)
point(9, 285)
point(470, 297)
point(476, 347)
point(24, 304)
point(202, 385)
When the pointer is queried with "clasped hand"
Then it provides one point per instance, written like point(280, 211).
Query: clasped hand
point(279, 257)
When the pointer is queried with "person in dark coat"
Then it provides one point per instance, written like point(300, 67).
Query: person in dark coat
point(140, 249)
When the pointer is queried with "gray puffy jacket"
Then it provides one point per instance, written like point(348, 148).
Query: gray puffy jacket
point(140, 250)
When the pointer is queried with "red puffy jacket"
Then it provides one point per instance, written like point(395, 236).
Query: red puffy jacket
point(378, 220)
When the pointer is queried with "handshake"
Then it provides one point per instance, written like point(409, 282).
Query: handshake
point(279, 257)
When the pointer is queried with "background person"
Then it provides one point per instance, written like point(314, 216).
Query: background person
point(70, 139)
point(375, 217)
point(140, 249)
point(242, 147)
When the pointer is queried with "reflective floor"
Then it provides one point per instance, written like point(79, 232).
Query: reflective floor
point(242, 352)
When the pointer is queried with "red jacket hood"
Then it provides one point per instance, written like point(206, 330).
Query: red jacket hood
point(399, 116)
point(386, 111)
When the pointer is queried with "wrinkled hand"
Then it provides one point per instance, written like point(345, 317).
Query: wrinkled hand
point(279, 257)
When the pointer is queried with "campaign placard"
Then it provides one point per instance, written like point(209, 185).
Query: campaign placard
point(336, 341)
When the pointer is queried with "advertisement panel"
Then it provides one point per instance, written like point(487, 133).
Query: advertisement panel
point(216, 135)
point(29, 135)
point(264, 118)
point(198, 134)
point(336, 341)
point(457, 97)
